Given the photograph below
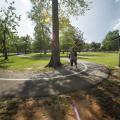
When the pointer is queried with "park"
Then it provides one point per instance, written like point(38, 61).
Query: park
point(62, 70)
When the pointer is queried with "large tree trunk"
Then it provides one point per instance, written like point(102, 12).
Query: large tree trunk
point(55, 57)
point(4, 45)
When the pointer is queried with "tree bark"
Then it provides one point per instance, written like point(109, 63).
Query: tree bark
point(4, 45)
point(55, 57)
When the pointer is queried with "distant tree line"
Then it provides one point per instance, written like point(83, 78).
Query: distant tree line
point(110, 43)
point(70, 37)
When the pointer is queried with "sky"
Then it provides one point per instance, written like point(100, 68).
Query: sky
point(103, 16)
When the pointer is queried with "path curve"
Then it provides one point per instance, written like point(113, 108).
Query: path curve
point(62, 80)
point(78, 71)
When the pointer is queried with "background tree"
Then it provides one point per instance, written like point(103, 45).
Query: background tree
point(26, 44)
point(41, 17)
point(70, 37)
point(109, 43)
point(8, 23)
point(67, 32)
point(42, 39)
point(79, 40)
point(1, 39)
point(41, 43)
point(16, 43)
point(95, 46)
point(10, 43)
point(87, 47)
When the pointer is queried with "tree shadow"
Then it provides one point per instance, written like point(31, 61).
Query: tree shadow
point(107, 95)
point(37, 57)
point(9, 107)
point(43, 88)
point(4, 64)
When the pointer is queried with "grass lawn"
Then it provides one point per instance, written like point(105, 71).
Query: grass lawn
point(35, 61)
point(32, 62)
point(108, 59)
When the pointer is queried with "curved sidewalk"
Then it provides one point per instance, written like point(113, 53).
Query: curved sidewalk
point(62, 80)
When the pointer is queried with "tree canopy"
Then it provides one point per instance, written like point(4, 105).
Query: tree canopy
point(8, 22)
point(54, 9)
point(110, 43)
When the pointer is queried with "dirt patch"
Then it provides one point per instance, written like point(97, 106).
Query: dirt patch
point(102, 102)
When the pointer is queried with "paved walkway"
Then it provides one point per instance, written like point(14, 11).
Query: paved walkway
point(62, 80)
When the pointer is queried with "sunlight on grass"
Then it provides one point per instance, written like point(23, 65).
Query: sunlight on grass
point(20, 63)
point(34, 62)
point(108, 59)
point(37, 62)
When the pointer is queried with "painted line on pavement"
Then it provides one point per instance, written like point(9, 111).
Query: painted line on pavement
point(45, 78)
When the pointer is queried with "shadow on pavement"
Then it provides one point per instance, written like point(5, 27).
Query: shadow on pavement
point(45, 87)
point(42, 88)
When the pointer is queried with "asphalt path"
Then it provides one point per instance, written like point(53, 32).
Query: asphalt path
point(61, 80)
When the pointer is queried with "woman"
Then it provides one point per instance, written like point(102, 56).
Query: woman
point(73, 58)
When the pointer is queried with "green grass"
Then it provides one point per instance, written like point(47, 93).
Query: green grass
point(36, 61)
point(33, 62)
point(108, 59)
